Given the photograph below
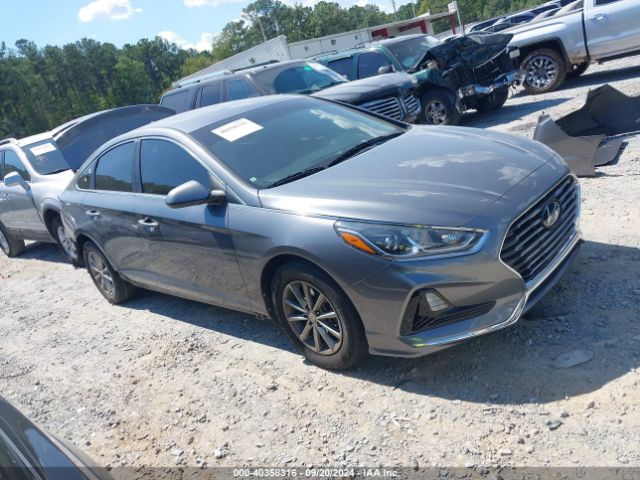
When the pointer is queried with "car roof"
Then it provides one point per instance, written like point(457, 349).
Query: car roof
point(403, 38)
point(236, 74)
point(192, 120)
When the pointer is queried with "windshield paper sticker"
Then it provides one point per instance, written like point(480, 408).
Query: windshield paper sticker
point(42, 149)
point(237, 129)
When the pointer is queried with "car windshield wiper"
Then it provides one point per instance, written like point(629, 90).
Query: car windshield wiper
point(362, 146)
point(296, 176)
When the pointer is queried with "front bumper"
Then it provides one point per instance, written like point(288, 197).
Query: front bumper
point(483, 292)
point(504, 80)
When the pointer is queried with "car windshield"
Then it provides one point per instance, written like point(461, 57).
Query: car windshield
point(292, 138)
point(45, 157)
point(410, 52)
point(307, 77)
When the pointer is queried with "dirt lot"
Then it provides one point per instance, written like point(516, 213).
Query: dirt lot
point(162, 381)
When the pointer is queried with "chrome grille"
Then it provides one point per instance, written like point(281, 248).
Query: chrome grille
point(529, 246)
point(389, 107)
point(411, 103)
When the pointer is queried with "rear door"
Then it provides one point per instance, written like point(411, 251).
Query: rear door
point(612, 27)
point(109, 216)
point(188, 251)
point(17, 210)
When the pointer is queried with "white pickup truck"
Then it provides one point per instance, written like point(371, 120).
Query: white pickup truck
point(566, 42)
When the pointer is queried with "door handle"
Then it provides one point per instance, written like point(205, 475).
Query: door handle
point(148, 222)
point(599, 17)
point(93, 213)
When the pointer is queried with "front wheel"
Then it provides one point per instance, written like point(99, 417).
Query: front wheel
point(109, 282)
point(439, 108)
point(12, 247)
point(318, 317)
point(544, 71)
point(494, 100)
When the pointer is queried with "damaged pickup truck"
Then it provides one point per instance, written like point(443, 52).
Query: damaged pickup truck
point(462, 73)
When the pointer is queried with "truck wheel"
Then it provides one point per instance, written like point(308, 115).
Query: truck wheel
point(544, 71)
point(12, 247)
point(578, 70)
point(439, 108)
point(494, 100)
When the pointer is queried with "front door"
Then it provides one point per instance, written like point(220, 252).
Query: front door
point(17, 210)
point(189, 251)
point(612, 27)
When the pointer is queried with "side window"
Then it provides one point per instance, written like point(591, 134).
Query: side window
point(12, 163)
point(115, 169)
point(1, 167)
point(240, 88)
point(84, 180)
point(605, 2)
point(165, 165)
point(369, 63)
point(344, 66)
point(210, 95)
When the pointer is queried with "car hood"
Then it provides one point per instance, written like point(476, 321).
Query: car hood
point(429, 175)
point(360, 91)
point(471, 50)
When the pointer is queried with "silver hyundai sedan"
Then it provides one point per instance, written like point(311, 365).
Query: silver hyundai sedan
point(356, 233)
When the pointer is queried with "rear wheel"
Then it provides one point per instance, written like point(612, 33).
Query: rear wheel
point(439, 108)
point(494, 100)
point(544, 71)
point(111, 285)
point(318, 317)
point(67, 245)
point(12, 247)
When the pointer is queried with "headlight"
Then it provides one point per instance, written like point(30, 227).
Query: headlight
point(410, 241)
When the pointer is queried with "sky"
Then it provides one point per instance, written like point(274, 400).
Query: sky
point(189, 23)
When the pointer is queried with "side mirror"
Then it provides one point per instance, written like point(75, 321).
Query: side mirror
point(385, 69)
point(194, 193)
point(14, 179)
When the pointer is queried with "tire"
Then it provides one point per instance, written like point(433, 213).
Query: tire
point(577, 70)
point(336, 341)
point(66, 245)
point(12, 247)
point(438, 107)
point(494, 100)
point(105, 278)
point(544, 71)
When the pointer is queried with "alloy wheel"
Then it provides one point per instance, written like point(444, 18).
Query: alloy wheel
point(312, 317)
point(435, 113)
point(101, 274)
point(67, 244)
point(541, 71)
point(4, 244)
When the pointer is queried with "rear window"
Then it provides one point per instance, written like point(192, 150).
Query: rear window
point(176, 101)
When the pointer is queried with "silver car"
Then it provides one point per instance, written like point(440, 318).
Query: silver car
point(34, 170)
point(356, 233)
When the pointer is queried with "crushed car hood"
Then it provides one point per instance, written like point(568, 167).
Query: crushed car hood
point(429, 175)
point(472, 50)
point(360, 91)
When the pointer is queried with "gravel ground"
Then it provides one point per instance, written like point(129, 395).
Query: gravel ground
point(162, 381)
